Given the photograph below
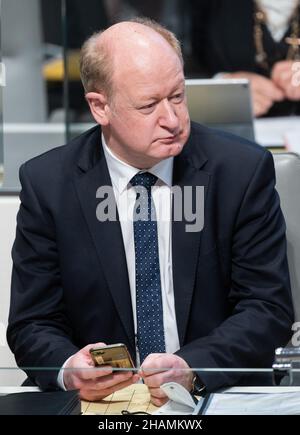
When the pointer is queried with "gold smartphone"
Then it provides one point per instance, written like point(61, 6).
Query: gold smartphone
point(114, 355)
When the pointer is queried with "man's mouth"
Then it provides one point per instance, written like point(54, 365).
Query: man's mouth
point(169, 139)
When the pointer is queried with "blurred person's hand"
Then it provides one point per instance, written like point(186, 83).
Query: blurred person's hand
point(97, 383)
point(264, 91)
point(154, 375)
point(282, 75)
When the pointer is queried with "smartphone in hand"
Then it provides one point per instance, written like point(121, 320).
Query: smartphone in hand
point(114, 355)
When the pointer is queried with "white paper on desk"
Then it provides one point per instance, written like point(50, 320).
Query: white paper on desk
point(272, 131)
point(253, 404)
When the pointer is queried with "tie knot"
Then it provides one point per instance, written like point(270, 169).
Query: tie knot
point(144, 179)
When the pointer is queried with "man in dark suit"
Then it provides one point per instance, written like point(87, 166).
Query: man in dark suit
point(220, 294)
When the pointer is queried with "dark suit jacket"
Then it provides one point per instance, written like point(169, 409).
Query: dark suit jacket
point(70, 283)
point(223, 41)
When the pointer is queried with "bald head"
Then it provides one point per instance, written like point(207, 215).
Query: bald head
point(124, 46)
point(139, 34)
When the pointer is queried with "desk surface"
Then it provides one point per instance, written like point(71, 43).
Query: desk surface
point(137, 398)
point(276, 131)
point(134, 398)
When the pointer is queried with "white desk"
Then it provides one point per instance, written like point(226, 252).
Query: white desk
point(274, 132)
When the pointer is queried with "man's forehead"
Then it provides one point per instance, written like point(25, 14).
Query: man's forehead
point(129, 31)
point(151, 89)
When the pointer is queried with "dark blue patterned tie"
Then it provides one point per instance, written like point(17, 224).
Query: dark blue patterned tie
point(150, 326)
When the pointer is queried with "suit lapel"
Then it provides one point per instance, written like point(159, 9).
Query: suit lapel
point(185, 245)
point(107, 236)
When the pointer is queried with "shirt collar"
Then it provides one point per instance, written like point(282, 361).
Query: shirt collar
point(121, 173)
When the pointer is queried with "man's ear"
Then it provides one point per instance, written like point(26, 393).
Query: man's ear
point(98, 107)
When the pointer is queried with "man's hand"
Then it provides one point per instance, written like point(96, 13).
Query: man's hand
point(154, 376)
point(264, 91)
point(97, 383)
point(282, 75)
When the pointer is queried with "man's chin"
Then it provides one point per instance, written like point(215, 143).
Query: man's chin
point(172, 150)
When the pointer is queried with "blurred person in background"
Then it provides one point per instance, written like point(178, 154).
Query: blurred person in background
point(254, 39)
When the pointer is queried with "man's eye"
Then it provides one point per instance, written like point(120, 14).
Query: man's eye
point(177, 98)
point(149, 106)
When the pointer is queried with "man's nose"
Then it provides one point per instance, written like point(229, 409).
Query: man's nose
point(168, 116)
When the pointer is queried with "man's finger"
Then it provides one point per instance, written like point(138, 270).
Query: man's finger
point(94, 345)
point(158, 393)
point(113, 379)
point(151, 371)
point(293, 94)
point(101, 383)
point(158, 402)
point(95, 372)
point(93, 395)
point(155, 381)
point(266, 87)
point(261, 104)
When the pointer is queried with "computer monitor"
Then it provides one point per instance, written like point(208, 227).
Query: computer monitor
point(224, 104)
